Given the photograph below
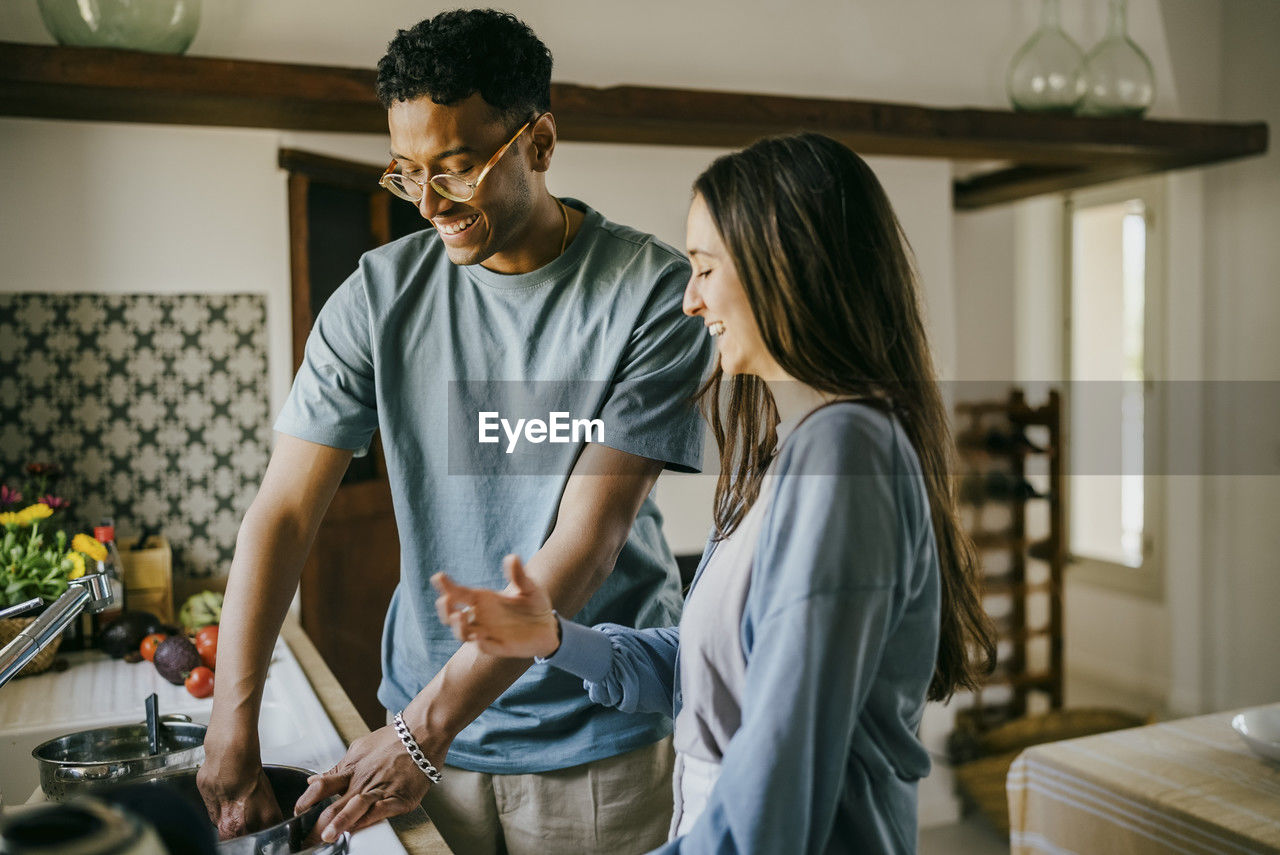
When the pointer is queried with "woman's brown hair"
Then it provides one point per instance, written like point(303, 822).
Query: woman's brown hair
point(828, 273)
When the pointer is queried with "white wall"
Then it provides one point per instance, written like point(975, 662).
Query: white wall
point(1242, 308)
point(985, 297)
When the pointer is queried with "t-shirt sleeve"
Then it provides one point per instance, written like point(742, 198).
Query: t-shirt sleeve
point(333, 399)
point(651, 410)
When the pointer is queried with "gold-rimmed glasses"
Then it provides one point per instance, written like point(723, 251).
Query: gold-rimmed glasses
point(452, 187)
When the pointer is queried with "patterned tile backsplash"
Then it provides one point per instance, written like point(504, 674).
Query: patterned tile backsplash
point(155, 405)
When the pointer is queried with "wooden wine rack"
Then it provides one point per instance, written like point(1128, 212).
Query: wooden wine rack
point(994, 451)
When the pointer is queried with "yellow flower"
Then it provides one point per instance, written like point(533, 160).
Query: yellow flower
point(77, 565)
point(8, 518)
point(89, 546)
point(34, 513)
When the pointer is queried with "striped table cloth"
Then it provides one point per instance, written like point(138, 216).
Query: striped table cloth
point(1189, 786)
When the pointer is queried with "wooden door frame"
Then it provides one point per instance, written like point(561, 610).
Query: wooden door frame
point(355, 501)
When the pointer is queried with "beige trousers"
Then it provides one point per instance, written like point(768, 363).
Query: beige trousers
point(615, 806)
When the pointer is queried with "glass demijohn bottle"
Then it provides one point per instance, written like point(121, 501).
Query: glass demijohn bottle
point(1117, 74)
point(1045, 74)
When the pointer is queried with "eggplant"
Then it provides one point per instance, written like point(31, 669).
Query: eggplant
point(175, 658)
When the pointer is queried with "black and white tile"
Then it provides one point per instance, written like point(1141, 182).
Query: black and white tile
point(156, 405)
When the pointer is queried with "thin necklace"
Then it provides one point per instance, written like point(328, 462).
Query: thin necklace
point(564, 241)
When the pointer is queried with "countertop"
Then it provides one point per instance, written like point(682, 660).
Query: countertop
point(1189, 786)
point(415, 831)
point(109, 693)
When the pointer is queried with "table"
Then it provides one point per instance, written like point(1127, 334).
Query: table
point(1187, 786)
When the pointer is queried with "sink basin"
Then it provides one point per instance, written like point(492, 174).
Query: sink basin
point(96, 691)
point(40, 708)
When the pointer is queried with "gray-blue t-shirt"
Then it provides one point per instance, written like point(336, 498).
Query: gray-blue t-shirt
point(445, 360)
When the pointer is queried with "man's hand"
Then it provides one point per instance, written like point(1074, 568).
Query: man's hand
point(377, 779)
point(517, 622)
point(239, 802)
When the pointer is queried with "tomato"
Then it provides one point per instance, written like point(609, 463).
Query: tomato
point(149, 645)
point(200, 682)
point(207, 645)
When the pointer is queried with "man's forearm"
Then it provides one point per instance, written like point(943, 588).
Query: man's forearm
point(571, 569)
point(270, 551)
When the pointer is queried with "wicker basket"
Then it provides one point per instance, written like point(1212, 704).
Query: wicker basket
point(9, 629)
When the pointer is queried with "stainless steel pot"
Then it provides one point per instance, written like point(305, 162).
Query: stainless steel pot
point(77, 762)
point(296, 834)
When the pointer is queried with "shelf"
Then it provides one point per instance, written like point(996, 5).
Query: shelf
point(1007, 630)
point(992, 540)
point(1000, 677)
point(1005, 585)
point(1035, 153)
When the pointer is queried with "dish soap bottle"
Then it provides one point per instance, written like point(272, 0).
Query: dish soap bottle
point(113, 569)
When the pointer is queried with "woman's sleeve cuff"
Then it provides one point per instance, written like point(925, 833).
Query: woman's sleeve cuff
point(584, 652)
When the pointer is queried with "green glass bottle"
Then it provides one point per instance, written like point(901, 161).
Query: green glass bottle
point(1118, 77)
point(1045, 73)
point(159, 26)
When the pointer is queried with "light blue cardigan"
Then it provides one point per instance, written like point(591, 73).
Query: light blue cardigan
point(840, 631)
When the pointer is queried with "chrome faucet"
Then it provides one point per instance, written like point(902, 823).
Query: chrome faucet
point(91, 591)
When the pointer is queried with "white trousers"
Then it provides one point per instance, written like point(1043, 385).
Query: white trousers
point(692, 782)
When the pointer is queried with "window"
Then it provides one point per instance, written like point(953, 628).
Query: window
point(1114, 321)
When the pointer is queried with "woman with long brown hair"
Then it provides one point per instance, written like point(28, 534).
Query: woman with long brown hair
point(837, 592)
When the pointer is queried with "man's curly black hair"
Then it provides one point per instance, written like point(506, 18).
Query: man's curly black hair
point(464, 51)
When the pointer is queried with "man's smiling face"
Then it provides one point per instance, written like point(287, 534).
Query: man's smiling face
point(429, 138)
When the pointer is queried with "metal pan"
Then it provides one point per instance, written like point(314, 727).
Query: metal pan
point(78, 762)
point(297, 834)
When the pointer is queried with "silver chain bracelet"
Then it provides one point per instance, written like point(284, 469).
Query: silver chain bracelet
point(411, 745)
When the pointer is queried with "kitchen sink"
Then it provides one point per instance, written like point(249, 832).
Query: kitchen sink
point(20, 775)
point(97, 691)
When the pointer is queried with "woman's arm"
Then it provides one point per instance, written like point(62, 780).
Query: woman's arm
point(637, 673)
point(631, 669)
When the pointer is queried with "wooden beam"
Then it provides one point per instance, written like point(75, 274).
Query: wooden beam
point(131, 86)
point(732, 119)
point(1022, 182)
point(332, 170)
point(1045, 153)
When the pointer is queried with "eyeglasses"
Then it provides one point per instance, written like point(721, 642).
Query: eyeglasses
point(452, 187)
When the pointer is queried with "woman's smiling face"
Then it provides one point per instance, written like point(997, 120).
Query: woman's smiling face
point(716, 295)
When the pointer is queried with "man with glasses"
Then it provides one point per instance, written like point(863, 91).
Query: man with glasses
point(510, 289)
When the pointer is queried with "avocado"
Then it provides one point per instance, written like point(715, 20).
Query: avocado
point(175, 658)
point(126, 632)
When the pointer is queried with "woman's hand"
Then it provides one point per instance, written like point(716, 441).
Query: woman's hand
point(516, 623)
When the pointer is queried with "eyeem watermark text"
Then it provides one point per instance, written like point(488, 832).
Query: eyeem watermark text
point(558, 428)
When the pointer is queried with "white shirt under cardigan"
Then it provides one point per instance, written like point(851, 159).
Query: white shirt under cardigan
point(838, 633)
point(713, 667)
